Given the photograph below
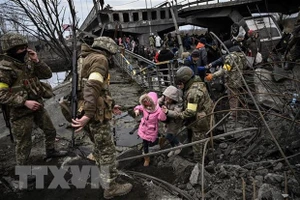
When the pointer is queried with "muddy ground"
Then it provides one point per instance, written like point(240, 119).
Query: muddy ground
point(246, 165)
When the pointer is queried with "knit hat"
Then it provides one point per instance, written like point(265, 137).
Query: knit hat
point(195, 53)
point(202, 40)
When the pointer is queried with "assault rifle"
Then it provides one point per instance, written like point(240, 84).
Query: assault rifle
point(7, 122)
point(74, 99)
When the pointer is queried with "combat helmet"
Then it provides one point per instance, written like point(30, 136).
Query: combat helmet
point(105, 43)
point(183, 75)
point(11, 40)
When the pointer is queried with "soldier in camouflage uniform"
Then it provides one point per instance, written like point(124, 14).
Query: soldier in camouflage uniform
point(22, 91)
point(197, 105)
point(97, 111)
point(233, 79)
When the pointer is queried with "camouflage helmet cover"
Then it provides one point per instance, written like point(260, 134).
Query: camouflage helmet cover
point(105, 43)
point(183, 75)
point(11, 40)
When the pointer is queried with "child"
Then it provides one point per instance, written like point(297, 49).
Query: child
point(172, 100)
point(148, 128)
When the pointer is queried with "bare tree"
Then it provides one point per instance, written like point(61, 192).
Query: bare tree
point(43, 19)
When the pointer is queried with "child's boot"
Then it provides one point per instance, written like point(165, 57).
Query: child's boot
point(147, 161)
point(161, 142)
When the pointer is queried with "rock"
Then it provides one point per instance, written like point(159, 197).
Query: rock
point(223, 145)
point(259, 180)
point(195, 177)
point(261, 171)
point(262, 91)
point(273, 179)
point(278, 167)
point(267, 191)
point(294, 186)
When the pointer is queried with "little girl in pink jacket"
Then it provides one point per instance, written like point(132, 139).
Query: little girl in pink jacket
point(148, 128)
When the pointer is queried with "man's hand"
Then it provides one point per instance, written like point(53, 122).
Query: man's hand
point(116, 110)
point(33, 55)
point(80, 123)
point(32, 105)
point(209, 77)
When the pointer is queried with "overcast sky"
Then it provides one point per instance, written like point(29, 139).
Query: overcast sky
point(83, 7)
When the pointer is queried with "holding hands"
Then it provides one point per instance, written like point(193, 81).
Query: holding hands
point(164, 109)
point(209, 77)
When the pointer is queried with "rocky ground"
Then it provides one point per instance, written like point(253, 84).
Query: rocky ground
point(244, 165)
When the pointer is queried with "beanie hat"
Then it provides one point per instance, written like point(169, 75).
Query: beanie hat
point(195, 53)
point(203, 40)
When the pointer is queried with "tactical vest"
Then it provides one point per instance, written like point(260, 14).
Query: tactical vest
point(24, 79)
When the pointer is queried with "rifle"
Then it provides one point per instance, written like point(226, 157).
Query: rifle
point(7, 122)
point(74, 99)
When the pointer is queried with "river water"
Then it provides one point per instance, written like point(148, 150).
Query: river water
point(57, 78)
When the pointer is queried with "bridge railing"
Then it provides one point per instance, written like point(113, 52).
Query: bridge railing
point(150, 75)
point(203, 2)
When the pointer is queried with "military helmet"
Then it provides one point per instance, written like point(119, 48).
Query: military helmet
point(105, 43)
point(183, 75)
point(11, 40)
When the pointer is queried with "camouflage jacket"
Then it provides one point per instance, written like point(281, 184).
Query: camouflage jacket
point(232, 76)
point(197, 102)
point(96, 96)
point(21, 81)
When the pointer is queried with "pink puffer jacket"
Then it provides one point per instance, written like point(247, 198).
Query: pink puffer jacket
point(148, 129)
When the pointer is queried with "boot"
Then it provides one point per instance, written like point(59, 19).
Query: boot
point(52, 153)
point(117, 190)
point(147, 161)
point(161, 142)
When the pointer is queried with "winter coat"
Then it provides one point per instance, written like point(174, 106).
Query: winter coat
point(148, 128)
point(197, 68)
point(157, 41)
point(165, 55)
point(172, 124)
point(97, 101)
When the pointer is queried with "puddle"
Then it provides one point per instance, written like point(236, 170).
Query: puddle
point(125, 124)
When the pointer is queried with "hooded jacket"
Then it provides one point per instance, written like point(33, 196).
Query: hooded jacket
point(173, 124)
point(148, 128)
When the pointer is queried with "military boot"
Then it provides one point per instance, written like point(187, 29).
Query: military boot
point(53, 153)
point(117, 190)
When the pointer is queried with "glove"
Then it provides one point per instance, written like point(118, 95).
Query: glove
point(209, 77)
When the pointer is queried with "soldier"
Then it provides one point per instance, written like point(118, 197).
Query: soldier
point(233, 79)
point(22, 91)
point(97, 112)
point(197, 105)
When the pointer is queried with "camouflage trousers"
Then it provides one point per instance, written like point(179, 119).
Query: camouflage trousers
point(199, 131)
point(104, 151)
point(22, 129)
point(233, 101)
